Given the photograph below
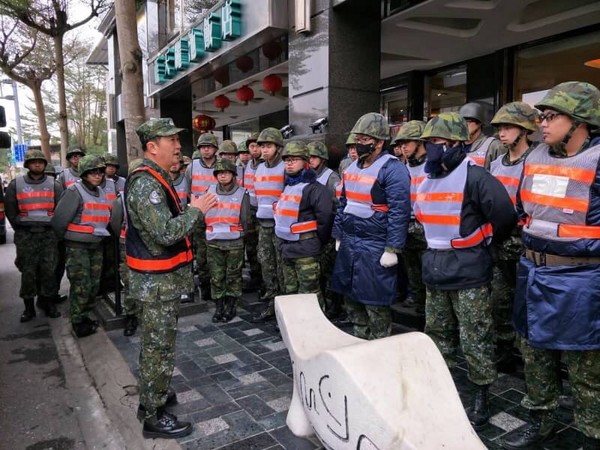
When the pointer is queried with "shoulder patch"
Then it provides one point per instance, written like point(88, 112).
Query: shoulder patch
point(154, 198)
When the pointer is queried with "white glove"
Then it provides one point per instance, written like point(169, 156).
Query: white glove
point(337, 244)
point(388, 259)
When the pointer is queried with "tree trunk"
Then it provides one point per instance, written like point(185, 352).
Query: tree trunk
point(132, 92)
point(36, 88)
point(62, 101)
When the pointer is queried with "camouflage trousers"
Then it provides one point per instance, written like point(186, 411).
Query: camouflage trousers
point(301, 276)
point(369, 321)
point(129, 302)
point(416, 244)
point(225, 267)
point(333, 301)
point(36, 260)
point(157, 351)
point(544, 384)
point(251, 246)
point(463, 316)
point(503, 293)
point(270, 261)
point(200, 250)
point(84, 268)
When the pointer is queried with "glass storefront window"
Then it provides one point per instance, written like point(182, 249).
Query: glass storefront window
point(396, 108)
point(540, 67)
point(445, 91)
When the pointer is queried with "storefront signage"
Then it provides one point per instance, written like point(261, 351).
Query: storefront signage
point(225, 24)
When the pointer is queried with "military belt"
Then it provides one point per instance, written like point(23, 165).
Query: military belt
point(544, 259)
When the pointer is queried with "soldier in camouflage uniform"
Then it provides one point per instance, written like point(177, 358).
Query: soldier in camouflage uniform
point(461, 207)
point(515, 122)
point(557, 297)
point(351, 156)
point(225, 227)
point(408, 141)
point(159, 255)
point(319, 156)
point(303, 220)
point(81, 219)
point(228, 150)
point(244, 156)
point(112, 167)
point(30, 201)
point(481, 149)
point(199, 178)
point(268, 185)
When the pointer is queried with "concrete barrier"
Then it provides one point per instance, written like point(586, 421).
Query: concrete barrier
point(386, 394)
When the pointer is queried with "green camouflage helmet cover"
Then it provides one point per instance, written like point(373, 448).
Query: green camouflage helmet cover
point(196, 154)
point(134, 164)
point(351, 139)
point(228, 146)
point(208, 139)
point(374, 125)
point(517, 113)
point(449, 126)
point(252, 138)
point(110, 159)
point(75, 150)
point(224, 165)
point(296, 148)
point(318, 148)
point(243, 148)
point(90, 162)
point(410, 131)
point(50, 170)
point(270, 135)
point(155, 128)
point(577, 99)
point(32, 155)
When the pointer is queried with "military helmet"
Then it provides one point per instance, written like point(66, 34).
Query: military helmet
point(134, 164)
point(270, 135)
point(90, 162)
point(473, 110)
point(208, 139)
point(110, 159)
point(318, 148)
point(372, 124)
point(32, 155)
point(252, 138)
point(517, 113)
point(227, 146)
point(296, 148)
point(224, 165)
point(75, 150)
point(351, 140)
point(410, 131)
point(449, 126)
point(242, 147)
point(50, 170)
point(577, 99)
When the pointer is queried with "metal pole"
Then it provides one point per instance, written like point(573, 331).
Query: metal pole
point(17, 112)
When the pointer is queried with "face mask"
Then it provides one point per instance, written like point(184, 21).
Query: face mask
point(364, 150)
point(435, 151)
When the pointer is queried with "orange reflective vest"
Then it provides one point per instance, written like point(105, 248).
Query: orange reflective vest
point(223, 221)
point(438, 207)
point(478, 154)
point(508, 175)
point(417, 176)
point(110, 189)
point(268, 185)
point(171, 258)
point(69, 177)
point(555, 193)
point(182, 188)
point(35, 201)
point(249, 175)
point(94, 216)
point(358, 184)
point(287, 210)
point(202, 177)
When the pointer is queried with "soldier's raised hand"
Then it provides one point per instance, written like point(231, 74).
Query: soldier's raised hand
point(204, 202)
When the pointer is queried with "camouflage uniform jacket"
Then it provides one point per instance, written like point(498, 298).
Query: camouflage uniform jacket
point(11, 206)
point(149, 213)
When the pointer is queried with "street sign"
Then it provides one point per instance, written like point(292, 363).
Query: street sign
point(19, 152)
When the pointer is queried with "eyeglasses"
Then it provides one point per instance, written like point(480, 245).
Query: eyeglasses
point(96, 172)
point(549, 117)
point(364, 140)
point(292, 160)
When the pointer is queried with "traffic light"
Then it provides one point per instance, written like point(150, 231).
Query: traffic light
point(2, 117)
point(5, 141)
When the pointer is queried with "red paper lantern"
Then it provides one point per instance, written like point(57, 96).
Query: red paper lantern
point(272, 50)
point(272, 84)
point(203, 123)
point(221, 102)
point(244, 94)
point(244, 63)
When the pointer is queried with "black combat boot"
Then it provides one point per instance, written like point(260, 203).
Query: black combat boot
point(83, 329)
point(205, 292)
point(166, 426)
point(219, 310)
point(29, 312)
point(131, 324)
point(539, 428)
point(506, 361)
point(591, 443)
point(266, 314)
point(49, 307)
point(170, 401)
point(230, 309)
point(479, 413)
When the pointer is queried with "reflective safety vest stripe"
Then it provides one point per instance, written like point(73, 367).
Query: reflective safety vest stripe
point(249, 173)
point(110, 189)
point(223, 220)
point(124, 223)
point(324, 177)
point(182, 188)
point(202, 178)
point(1, 210)
point(509, 176)
point(268, 186)
point(555, 193)
point(35, 201)
point(478, 155)
point(417, 175)
point(287, 211)
point(174, 256)
point(438, 207)
point(120, 182)
point(239, 175)
point(358, 184)
point(69, 178)
point(338, 189)
point(94, 216)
